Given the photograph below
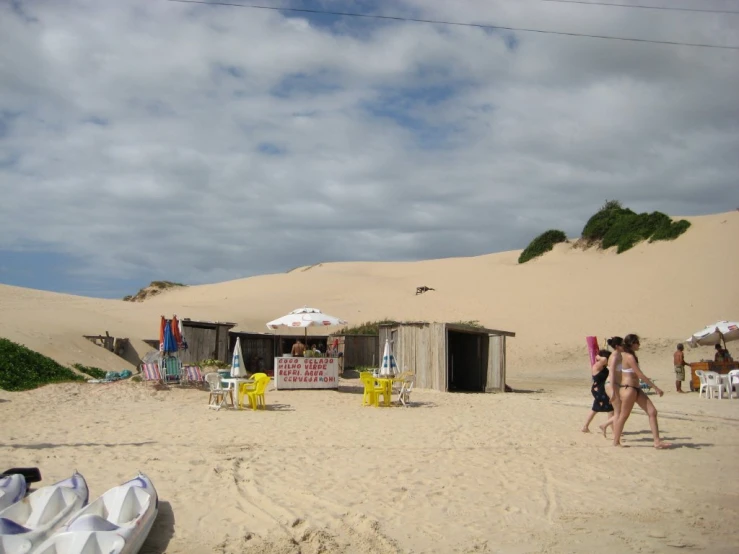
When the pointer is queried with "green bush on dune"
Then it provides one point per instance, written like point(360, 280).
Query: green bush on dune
point(542, 244)
point(24, 369)
point(614, 225)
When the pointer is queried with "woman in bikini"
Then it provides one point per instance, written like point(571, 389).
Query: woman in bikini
point(601, 400)
point(614, 372)
point(631, 393)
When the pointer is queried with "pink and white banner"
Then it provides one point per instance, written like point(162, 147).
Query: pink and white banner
point(306, 373)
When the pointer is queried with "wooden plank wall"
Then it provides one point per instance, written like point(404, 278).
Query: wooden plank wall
point(496, 364)
point(222, 351)
point(420, 348)
point(361, 350)
point(201, 344)
point(437, 354)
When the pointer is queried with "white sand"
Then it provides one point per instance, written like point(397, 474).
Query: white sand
point(455, 473)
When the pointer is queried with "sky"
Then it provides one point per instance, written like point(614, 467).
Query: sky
point(145, 140)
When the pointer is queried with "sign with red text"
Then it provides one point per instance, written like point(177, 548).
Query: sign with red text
point(306, 373)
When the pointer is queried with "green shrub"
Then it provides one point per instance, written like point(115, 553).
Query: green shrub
point(671, 231)
point(214, 363)
point(542, 244)
point(615, 225)
point(24, 369)
point(94, 372)
point(598, 225)
point(367, 328)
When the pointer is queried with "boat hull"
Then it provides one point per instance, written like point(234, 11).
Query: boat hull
point(118, 522)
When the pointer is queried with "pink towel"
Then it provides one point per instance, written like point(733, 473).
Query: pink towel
point(592, 348)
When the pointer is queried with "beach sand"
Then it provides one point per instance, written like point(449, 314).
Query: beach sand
point(317, 472)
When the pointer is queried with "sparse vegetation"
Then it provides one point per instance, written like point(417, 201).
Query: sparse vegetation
point(367, 328)
point(24, 369)
point(470, 323)
point(94, 372)
point(154, 288)
point(542, 244)
point(214, 363)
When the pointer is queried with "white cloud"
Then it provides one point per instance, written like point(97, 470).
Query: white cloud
point(231, 141)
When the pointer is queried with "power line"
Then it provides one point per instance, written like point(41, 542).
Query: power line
point(642, 7)
point(455, 23)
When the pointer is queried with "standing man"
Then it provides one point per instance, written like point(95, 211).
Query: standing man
point(678, 359)
point(298, 349)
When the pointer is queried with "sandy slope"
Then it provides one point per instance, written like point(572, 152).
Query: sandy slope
point(317, 473)
point(662, 291)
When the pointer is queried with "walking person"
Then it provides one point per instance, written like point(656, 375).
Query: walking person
point(614, 373)
point(631, 393)
point(601, 400)
point(678, 360)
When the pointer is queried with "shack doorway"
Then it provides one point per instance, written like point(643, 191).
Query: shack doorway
point(466, 362)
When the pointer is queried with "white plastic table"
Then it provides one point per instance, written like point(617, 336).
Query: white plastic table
point(233, 386)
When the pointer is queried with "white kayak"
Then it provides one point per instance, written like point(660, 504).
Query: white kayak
point(12, 490)
point(27, 523)
point(116, 523)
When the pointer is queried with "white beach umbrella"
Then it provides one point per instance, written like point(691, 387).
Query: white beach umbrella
point(237, 361)
point(388, 368)
point(715, 333)
point(305, 317)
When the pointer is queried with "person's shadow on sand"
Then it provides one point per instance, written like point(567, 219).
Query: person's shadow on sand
point(161, 532)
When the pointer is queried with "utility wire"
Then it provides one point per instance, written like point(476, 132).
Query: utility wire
point(642, 7)
point(458, 24)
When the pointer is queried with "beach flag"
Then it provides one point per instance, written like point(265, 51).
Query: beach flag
point(388, 368)
point(592, 348)
point(237, 361)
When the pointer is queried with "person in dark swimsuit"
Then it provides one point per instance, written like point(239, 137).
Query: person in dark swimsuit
point(601, 400)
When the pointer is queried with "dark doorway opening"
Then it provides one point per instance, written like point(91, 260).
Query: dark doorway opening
point(466, 362)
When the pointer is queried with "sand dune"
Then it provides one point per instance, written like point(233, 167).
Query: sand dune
point(317, 473)
point(659, 290)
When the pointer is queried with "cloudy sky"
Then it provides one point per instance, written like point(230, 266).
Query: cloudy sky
point(150, 139)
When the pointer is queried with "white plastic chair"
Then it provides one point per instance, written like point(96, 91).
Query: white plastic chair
point(713, 383)
point(217, 394)
point(733, 383)
point(404, 396)
point(702, 378)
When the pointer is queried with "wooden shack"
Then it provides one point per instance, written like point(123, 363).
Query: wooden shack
point(358, 350)
point(258, 350)
point(206, 340)
point(449, 356)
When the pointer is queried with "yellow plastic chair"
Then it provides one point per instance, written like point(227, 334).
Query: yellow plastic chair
point(372, 391)
point(245, 388)
point(256, 396)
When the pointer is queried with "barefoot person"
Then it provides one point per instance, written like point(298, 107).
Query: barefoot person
point(631, 393)
point(614, 372)
point(601, 401)
point(678, 360)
